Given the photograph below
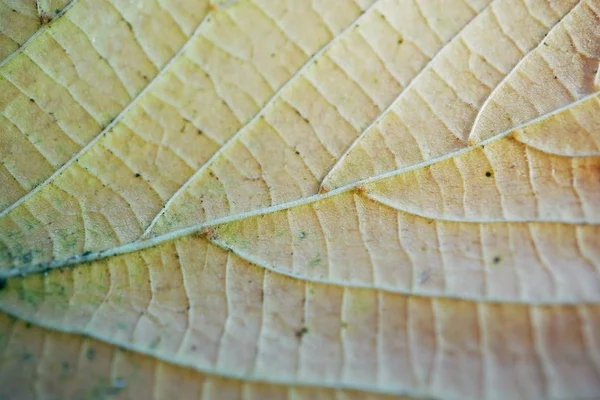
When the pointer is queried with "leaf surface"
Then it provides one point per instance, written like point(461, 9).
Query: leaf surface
point(302, 199)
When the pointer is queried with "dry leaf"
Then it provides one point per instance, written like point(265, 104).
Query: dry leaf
point(300, 199)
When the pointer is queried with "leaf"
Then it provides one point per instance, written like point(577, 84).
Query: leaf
point(23, 20)
point(307, 199)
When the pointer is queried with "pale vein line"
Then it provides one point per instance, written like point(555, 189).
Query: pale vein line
point(516, 67)
point(37, 33)
point(540, 352)
point(114, 121)
point(216, 373)
point(400, 96)
point(430, 65)
point(394, 290)
point(391, 205)
point(256, 117)
point(139, 245)
point(542, 149)
point(38, 6)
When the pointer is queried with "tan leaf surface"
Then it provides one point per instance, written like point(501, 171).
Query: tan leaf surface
point(300, 199)
point(68, 366)
point(20, 20)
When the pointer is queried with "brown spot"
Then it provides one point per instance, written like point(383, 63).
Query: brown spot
point(301, 332)
point(207, 232)
point(45, 18)
point(361, 190)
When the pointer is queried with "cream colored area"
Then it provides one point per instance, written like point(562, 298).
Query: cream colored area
point(20, 20)
point(474, 91)
point(66, 87)
point(43, 363)
point(300, 199)
point(575, 133)
point(193, 304)
point(351, 240)
point(219, 83)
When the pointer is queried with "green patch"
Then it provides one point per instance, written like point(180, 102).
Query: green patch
point(90, 354)
point(104, 389)
point(65, 370)
point(31, 297)
point(154, 343)
point(301, 332)
point(315, 261)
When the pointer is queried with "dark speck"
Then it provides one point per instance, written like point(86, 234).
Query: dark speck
point(137, 175)
point(488, 174)
point(301, 332)
point(497, 259)
point(2, 283)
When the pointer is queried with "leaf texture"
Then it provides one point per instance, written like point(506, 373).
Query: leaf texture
point(300, 199)
point(78, 367)
point(23, 19)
